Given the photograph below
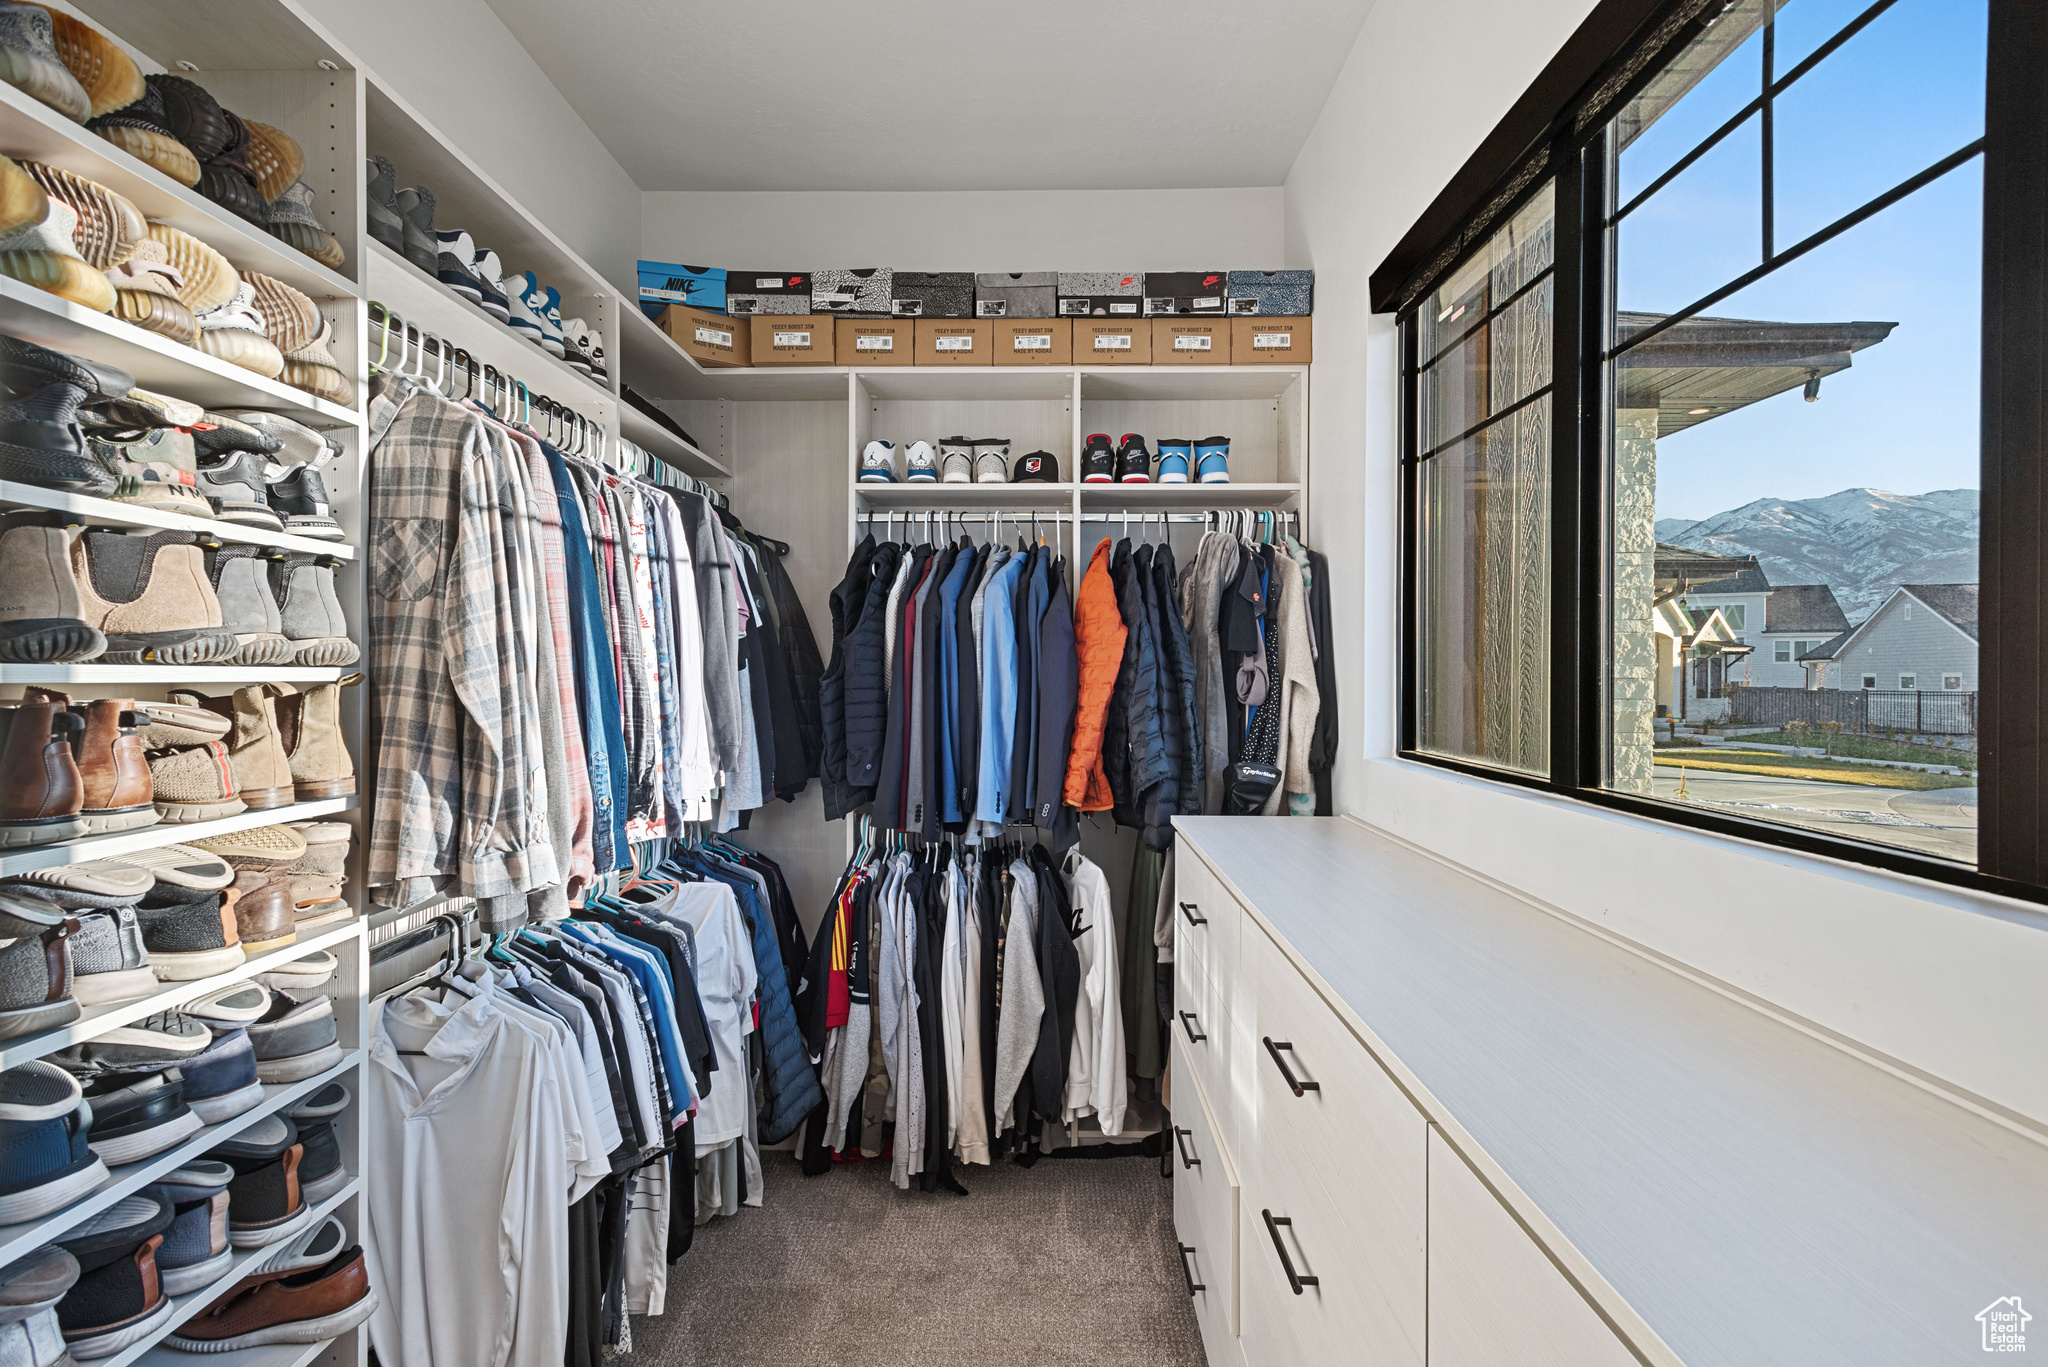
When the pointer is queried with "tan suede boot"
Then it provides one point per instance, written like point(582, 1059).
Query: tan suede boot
point(41, 618)
point(263, 774)
point(112, 769)
point(311, 726)
point(151, 597)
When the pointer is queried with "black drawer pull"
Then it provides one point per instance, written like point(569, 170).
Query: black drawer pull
point(1274, 1047)
point(1187, 1019)
point(1294, 1279)
point(1187, 1158)
point(1193, 1285)
point(1187, 909)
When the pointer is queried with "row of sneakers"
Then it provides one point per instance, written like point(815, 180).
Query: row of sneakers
point(170, 122)
point(80, 426)
point(956, 460)
point(108, 1283)
point(114, 930)
point(403, 220)
point(71, 769)
point(90, 245)
point(1181, 461)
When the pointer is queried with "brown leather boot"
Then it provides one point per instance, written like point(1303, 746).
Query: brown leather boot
point(263, 774)
point(263, 910)
point(40, 792)
point(113, 769)
point(310, 724)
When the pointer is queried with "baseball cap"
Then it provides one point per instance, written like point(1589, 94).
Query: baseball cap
point(1042, 467)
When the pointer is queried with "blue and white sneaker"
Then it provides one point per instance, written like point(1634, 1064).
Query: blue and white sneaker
point(1212, 460)
point(526, 303)
point(490, 279)
point(45, 1162)
point(921, 463)
point(1176, 455)
point(551, 323)
point(455, 266)
point(878, 463)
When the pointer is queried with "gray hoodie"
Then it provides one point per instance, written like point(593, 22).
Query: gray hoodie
point(1023, 994)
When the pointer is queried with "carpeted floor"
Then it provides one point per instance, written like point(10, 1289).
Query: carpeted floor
point(1068, 1262)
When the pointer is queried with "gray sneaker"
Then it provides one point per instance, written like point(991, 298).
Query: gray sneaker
point(295, 1038)
point(416, 210)
point(233, 482)
point(311, 611)
point(992, 460)
point(248, 605)
point(381, 204)
point(29, 1292)
point(108, 960)
point(29, 60)
point(956, 461)
point(36, 984)
point(149, 1045)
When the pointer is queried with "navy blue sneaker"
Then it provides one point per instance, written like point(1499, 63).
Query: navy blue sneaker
point(45, 1162)
point(137, 1117)
point(221, 1083)
point(195, 1252)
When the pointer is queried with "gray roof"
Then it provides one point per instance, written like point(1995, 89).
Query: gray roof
point(1826, 649)
point(1804, 607)
point(1957, 602)
point(1751, 580)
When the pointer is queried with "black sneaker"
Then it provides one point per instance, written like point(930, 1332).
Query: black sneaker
point(300, 497)
point(1133, 461)
point(265, 1204)
point(186, 934)
point(41, 439)
point(1098, 462)
point(118, 1299)
point(138, 1117)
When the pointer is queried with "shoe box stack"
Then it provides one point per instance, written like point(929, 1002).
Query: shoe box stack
point(882, 317)
point(174, 1102)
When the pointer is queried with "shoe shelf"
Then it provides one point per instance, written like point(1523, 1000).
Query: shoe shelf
point(877, 496)
point(108, 512)
point(192, 1302)
point(32, 131)
point(163, 833)
point(169, 676)
point(98, 1020)
point(644, 431)
point(157, 362)
point(16, 1240)
point(268, 1355)
point(1188, 498)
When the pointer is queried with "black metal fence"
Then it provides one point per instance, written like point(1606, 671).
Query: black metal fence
point(1921, 711)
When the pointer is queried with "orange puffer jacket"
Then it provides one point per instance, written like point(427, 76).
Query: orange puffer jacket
point(1099, 633)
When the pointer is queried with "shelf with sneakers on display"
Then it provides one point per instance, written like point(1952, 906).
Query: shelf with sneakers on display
point(274, 1355)
point(19, 1239)
point(114, 845)
point(920, 495)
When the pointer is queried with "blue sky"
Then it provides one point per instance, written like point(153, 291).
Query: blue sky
point(1896, 98)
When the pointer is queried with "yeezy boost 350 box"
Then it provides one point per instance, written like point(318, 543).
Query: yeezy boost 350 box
point(955, 341)
point(1112, 341)
point(1033, 341)
point(1190, 341)
point(1016, 294)
point(712, 338)
point(874, 341)
point(1270, 294)
point(1101, 294)
point(932, 294)
point(1270, 341)
point(863, 292)
point(767, 292)
point(794, 339)
point(661, 284)
point(1172, 292)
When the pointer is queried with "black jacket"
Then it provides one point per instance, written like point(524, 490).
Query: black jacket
point(1059, 680)
point(1059, 969)
point(896, 724)
point(848, 597)
point(867, 685)
point(1177, 690)
point(1133, 751)
point(1030, 599)
point(1322, 747)
point(800, 660)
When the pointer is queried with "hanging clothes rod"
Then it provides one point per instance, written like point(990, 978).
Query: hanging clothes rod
point(451, 926)
point(1189, 518)
point(437, 362)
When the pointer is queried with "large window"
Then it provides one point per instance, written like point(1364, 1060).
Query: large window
point(1707, 362)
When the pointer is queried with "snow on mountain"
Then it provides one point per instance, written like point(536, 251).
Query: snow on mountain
point(1862, 542)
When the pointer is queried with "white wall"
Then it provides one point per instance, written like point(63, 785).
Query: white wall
point(457, 63)
point(977, 230)
point(1947, 983)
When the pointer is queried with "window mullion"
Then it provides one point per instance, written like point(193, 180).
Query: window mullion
point(1574, 219)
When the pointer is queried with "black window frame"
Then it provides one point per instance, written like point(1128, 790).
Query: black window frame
point(1556, 134)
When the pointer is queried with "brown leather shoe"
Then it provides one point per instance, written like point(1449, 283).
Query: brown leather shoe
point(284, 1307)
point(41, 794)
point(113, 769)
point(263, 910)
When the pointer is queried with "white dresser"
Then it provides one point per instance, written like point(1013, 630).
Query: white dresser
point(1419, 1120)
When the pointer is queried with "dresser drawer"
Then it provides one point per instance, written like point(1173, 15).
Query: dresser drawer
point(1205, 1216)
point(1205, 933)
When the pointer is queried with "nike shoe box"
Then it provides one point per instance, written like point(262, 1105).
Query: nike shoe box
point(1101, 294)
point(1017, 294)
point(932, 294)
point(863, 292)
point(1033, 341)
point(1271, 294)
point(749, 292)
point(874, 341)
point(1270, 341)
point(955, 341)
point(1112, 341)
point(1190, 341)
point(794, 339)
point(1175, 292)
point(662, 284)
point(713, 338)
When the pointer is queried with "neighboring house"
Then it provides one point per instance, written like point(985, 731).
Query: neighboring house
point(1797, 618)
point(1922, 637)
point(1743, 602)
point(1696, 649)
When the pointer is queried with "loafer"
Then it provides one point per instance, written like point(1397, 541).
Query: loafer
point(138, 1116)
point(320, 1171)
point(295, 1038)
point(221, 1083)
point(329, 1101)
point(195, 1252)
point(190, 934)
point(36, 982)
point(284, 1307)
point(265, 1205)
point(118, 1299)
point(45, 1161)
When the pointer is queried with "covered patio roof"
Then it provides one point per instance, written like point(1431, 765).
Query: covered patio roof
point(1698, 369)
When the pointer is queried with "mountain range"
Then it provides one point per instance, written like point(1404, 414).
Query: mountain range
point(1861, 542)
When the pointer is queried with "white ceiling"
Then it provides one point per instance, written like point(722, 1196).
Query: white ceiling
point(944, 94)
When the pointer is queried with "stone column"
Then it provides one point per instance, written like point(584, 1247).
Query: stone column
point(1634, 682)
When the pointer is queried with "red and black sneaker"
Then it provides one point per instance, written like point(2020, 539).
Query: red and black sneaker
point(1098, 462)
point(1133, 461)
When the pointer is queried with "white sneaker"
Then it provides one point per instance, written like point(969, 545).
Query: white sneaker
point(992, 461)
point(956, 461)
point(525, 302)
point(595, 350)
point(551, 323)
point(878, 463)
point(576, 345)
point(921, 463)
point(491, 276)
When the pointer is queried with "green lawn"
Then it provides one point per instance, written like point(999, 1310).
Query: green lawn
point(1713, 759)
point(1867, 747)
